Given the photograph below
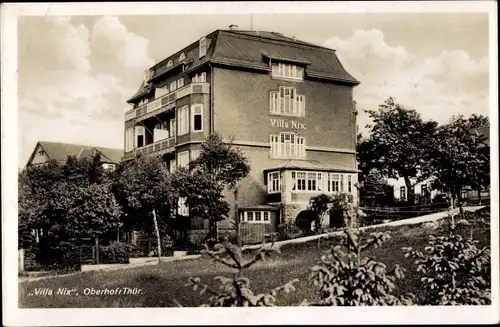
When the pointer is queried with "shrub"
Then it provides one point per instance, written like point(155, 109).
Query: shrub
point(455, 271)
point(343, 277)
point(116, 252)
point(288, 231)
point(236, 291)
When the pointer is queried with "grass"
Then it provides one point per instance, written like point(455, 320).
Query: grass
point(162, 285)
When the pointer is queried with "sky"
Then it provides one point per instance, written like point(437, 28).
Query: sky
point(75, 73)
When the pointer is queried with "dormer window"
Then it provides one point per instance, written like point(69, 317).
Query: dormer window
point(182, 57)
point(170, 64)
point(203, 47)
point(287, 71)
point(148, 74)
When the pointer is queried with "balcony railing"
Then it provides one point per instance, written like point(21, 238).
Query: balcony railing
point(165, 102)
point(160, 145)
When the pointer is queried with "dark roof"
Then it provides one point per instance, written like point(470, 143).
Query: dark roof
point(310, 165)
point(143, 90)
point(61, 151)
point(260, 207)
point(253, 49)
point(485, 131)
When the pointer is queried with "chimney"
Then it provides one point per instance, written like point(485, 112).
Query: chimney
point(233, 27)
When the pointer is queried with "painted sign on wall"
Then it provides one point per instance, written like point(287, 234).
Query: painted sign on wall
point(282, 123)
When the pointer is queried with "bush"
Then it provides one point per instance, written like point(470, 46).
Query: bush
point(455, 271)
point(116, 252)
point(236, 291)
point(343, 277)
point(288, 231)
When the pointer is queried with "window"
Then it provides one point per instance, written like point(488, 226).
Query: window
point(140, 132)
point(256, 217)
point(182, 209)
point(199, 78)
point(333, 182)
point(173, 86)
point(129, 139)
point(172, 127)
point(287, 102)
point(423, 189)
point(183, 119)
point(402, 193)
point(182, 57)
point(289, 71)
point(298, 181)
point(40, 153)
point(197, 117)
point(349, 183)
point(203, 47)
point(110, 167)
point(273, 182)
point(183, 159)
point(180, 83)
point(288, 145)
point(170, 64)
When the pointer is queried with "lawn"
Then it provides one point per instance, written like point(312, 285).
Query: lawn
point(161, 286)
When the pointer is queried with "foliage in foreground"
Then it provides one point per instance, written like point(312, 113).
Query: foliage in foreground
point(236, 291)
point(455, 271)
point(344, 277)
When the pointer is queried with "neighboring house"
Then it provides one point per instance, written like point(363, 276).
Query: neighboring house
point(286, 103)
point(45, 151)
point(401, 192)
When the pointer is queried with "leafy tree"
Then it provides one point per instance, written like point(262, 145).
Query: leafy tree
point(398, 145)
point(203, 195)
point(459, 158)
point(218, 167)
point(142, 189)
point(374, 190)
point(236, 291)
point(94, 211)
point(344, 277)
point(321, 204)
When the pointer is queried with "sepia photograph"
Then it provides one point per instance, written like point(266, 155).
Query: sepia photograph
point(162, 158)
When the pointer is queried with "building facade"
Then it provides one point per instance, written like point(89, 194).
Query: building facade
point(286, 103)
point(45, 151)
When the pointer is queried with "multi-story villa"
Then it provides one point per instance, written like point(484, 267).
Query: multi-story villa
point(286, 103)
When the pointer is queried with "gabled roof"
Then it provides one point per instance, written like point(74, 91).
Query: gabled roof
point(61, 151)
point(310, 165)
point(485, 131)
point(254, 49)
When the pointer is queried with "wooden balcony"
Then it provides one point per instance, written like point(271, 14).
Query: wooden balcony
point(157, 148)
point(165, 102)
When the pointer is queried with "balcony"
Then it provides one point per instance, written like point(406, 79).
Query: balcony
point(165, 102)
point(158, 148)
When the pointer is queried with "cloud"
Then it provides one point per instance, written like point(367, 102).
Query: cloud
point(114, 48)
point(74, 81)
point(438, 87)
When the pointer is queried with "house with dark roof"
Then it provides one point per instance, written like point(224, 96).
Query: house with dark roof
point(45, 151)
point(288, 104)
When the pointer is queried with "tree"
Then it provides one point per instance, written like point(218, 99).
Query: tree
point(398, 145)
point(218, 167)
point(142, 189)
point(459, 158)
point(94, 212)
point(60, 202)
point(374, 190)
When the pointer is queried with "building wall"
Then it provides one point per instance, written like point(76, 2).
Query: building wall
point(241, 103)
point(399, 182)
